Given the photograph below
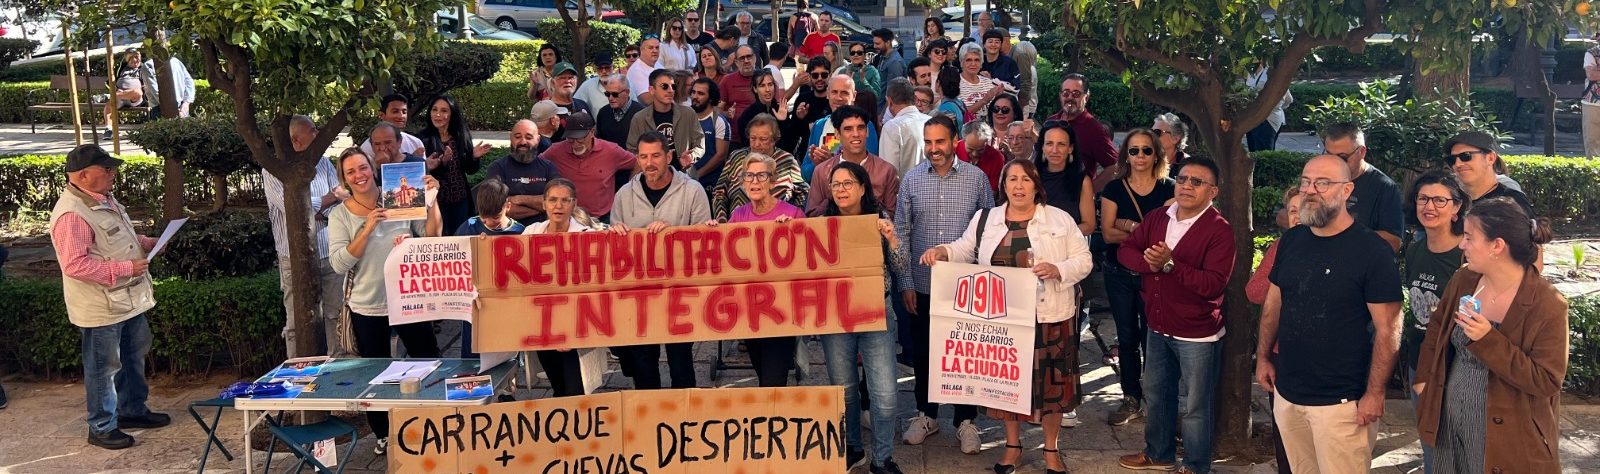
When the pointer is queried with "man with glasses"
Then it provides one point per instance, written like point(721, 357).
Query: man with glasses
point(748, 37)
point(737, 88)
point(1094, 148)
point(1333, 314)
point(592, 91)
point(613, 120)
point(1184, 255)
point(1376, 201)
point(694, 31)
point(1020, 137)
point(812, 47)
point(641, 71)
point(810, 104)
point(1475, 159)
point(673, 120)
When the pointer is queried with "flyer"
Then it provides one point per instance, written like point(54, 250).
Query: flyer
point(467, 388)
point(981, 336)
point(403, 195)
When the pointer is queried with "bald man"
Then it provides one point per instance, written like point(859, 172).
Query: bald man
point(524, 174)
point(823, 142)
point(1333, 313)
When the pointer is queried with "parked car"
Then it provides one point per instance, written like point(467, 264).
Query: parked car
point(481, 29)
point(758, 8)
point(524, 14)
point(955, 23)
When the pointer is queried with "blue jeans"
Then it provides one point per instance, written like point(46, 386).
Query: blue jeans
point(113, 372)
point(876, 351)
point(1199, 365)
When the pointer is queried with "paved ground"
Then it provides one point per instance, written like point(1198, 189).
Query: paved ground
point(43, 430)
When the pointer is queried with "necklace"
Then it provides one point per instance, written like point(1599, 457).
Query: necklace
point(359, 203)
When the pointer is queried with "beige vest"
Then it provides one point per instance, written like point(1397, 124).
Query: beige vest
point(89, 304)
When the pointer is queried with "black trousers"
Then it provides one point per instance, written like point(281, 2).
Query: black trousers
point(919, 359)
point(1127, 309)
point(372, 341)
point(773, 358)
point(643, 363)
point(566, 376)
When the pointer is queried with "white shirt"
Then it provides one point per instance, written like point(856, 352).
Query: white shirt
point(325, 181)
point(639, 78)
point(1176, 229)
point(901, 143)
point(592, 92)
point(678, 58)
point(1588, 62)
point(777, 79)
point(408, 144)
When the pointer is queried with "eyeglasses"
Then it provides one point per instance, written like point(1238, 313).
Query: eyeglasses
point(819, 75)
point(1464, 157)
point(1073, 93)
point(615, 94)
point(632, 55)
point(1320, 185)
point(858, 53)
point(1141, 150)
point(1435, 201)
point(1346, 155)
point(842, 185)
point(560, 201)
point(747, 57)
point(665, 87)
point(760, 177)
point(1002, 110)
point(1189, 180)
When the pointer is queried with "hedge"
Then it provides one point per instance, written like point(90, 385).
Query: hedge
point(602, 37)
point(34, 182)
point(1583, 364)
point(196, 325)
point(14, 102)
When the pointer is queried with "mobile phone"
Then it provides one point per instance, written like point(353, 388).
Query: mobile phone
point(1471, 302)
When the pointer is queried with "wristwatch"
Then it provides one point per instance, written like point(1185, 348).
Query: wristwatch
point(1166, 267)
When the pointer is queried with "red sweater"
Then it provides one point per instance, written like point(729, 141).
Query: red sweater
point(1188, 301)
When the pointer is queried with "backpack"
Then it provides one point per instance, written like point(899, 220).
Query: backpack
point(803, 24)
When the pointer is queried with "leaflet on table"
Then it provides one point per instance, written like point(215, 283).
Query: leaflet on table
point(299, 370)
point(401, 369)
point(468, 388)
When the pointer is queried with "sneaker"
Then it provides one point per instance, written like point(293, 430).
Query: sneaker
point(106, 135)
point(1070, 420)
point(854, 459)
point(920, 427)
point(114, 439)
point(1140, 462)
point(968, 434)
point(382, 447)
point(146, 421)
point(1126, 413)
point(888, 467)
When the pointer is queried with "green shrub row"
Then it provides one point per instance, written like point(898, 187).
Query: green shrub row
point(14, 102)
point(34, 182)
point(196, 325)
point(1583, 365)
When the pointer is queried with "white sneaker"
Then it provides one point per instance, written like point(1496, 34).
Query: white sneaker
point(1070, 420)
point(968, 434)
point(382, 447)
point(920, 427)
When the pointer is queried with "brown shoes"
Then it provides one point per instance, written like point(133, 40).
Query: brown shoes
point(1140, 462)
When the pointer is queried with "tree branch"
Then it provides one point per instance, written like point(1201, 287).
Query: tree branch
point(1187, 65)
point(1288, 64)
point(235, 82)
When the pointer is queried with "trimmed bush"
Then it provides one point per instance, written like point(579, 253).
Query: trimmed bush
point(204, 144)
point(1583, 364)
point(235, 243)
point(1376, 57)
point(493, 105)
point(1265, 201)
point(458, 64)
point(196, 325)
point(516, 59)
point(602, 37)
point(12, 49)
point(14, 101)
point(34, 182)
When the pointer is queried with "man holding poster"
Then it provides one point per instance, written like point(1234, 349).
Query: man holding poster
point(1184, 255)
point(983, 325)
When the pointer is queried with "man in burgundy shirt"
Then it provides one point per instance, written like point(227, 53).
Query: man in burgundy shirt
point(736, 88)
point(590, 163)
point(1184, 253)
point(1093, 140)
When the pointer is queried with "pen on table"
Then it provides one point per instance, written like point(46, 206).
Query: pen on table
point(436, 382)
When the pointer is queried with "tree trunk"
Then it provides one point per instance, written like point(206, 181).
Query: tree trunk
point(1239, 318)
point(219, 192)
point(301, 334)
point(172, 199)
point(1442, 83)
point(580, 40)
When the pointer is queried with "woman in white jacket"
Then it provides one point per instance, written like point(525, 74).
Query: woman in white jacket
point(1026, 232)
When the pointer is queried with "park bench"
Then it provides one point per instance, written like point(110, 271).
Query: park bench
point(87, 86)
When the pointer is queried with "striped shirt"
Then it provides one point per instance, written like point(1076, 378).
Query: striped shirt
point(935, 210)
point(72, 238)
point(324, 182)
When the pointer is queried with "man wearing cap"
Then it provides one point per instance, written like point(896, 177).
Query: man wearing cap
point(1475, 158)
point(613, 119)
point(106, 282)
point(547, 116)
point(591, 164)
point(593, 90)
point(525, 174)
point(562, 87)
point(677, 122)
point(648, 62)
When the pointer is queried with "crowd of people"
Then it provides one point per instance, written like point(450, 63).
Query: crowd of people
point(699, 129)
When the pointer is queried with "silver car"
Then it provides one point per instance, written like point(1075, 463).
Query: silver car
point(525, 14)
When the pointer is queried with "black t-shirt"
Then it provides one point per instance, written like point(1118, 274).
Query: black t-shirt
point(703, 39)
point(1427, 273)
point(1501, 190)
point(1062, 189)
point(1325, 329)
point(1117, 192)
point(664, 125)
point(797, 129)
point(1376, 202)
point(654, 195)
point(524, 179)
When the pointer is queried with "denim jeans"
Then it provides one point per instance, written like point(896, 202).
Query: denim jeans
point(1197, 364)
point(113, 372)
point(1127, 310)
point(876, 351)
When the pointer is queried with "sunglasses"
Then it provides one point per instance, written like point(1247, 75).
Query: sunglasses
point(695, 19)
point(858, 53)
point(1189, 180)
point(1141, 150)
point(614, 94)
point(1463, 157)
point(1158, 132)
point(1072, 94)
point(665, 87)
point(819, 75)
point(936, 51)
point(632, 55)
point(1002, 110)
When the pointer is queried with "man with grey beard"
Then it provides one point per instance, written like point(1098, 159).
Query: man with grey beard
point(524, 174)
point(1332, 314)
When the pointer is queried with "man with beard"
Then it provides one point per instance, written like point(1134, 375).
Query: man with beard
point(395, 111)
point(736, 87)
point(1333, 313)
point(655, 199)
point(674, 121)
point(592, 91)
point(612, 121)
point(935, 203)
point(920, 70)
point(562, 87)
point(524, 174)
point(851, 121)
point(1376, 201)
point(590, 164)
point(823, 141)
point(889, 62)
point(715, 127)
point(1094, 148)
point(810, 104)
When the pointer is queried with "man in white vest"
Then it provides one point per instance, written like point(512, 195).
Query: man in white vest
point(104, 274)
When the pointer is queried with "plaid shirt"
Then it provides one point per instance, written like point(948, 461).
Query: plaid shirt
point(935, 210)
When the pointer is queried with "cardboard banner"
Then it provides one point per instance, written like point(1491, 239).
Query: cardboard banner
point(699, 431)
point(689, 283)
point(430, 279)
point(981, 336)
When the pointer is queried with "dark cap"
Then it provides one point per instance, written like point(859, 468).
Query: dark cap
point(85, 156)
point(606, 58)
point(563, 68)
point(1480, 140)
point(579, 124)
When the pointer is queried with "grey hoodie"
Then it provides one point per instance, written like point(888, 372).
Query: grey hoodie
point(684, 203)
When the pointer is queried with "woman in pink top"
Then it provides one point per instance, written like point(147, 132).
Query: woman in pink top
point(772, 357)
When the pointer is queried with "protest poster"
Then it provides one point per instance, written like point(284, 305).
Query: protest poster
point(791, 430)
point(689, 283)
point(430, 279)
point(981, 335)
point(403, 196)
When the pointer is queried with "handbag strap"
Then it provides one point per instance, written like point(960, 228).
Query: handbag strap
point(983, 221)
point(1131, 197)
